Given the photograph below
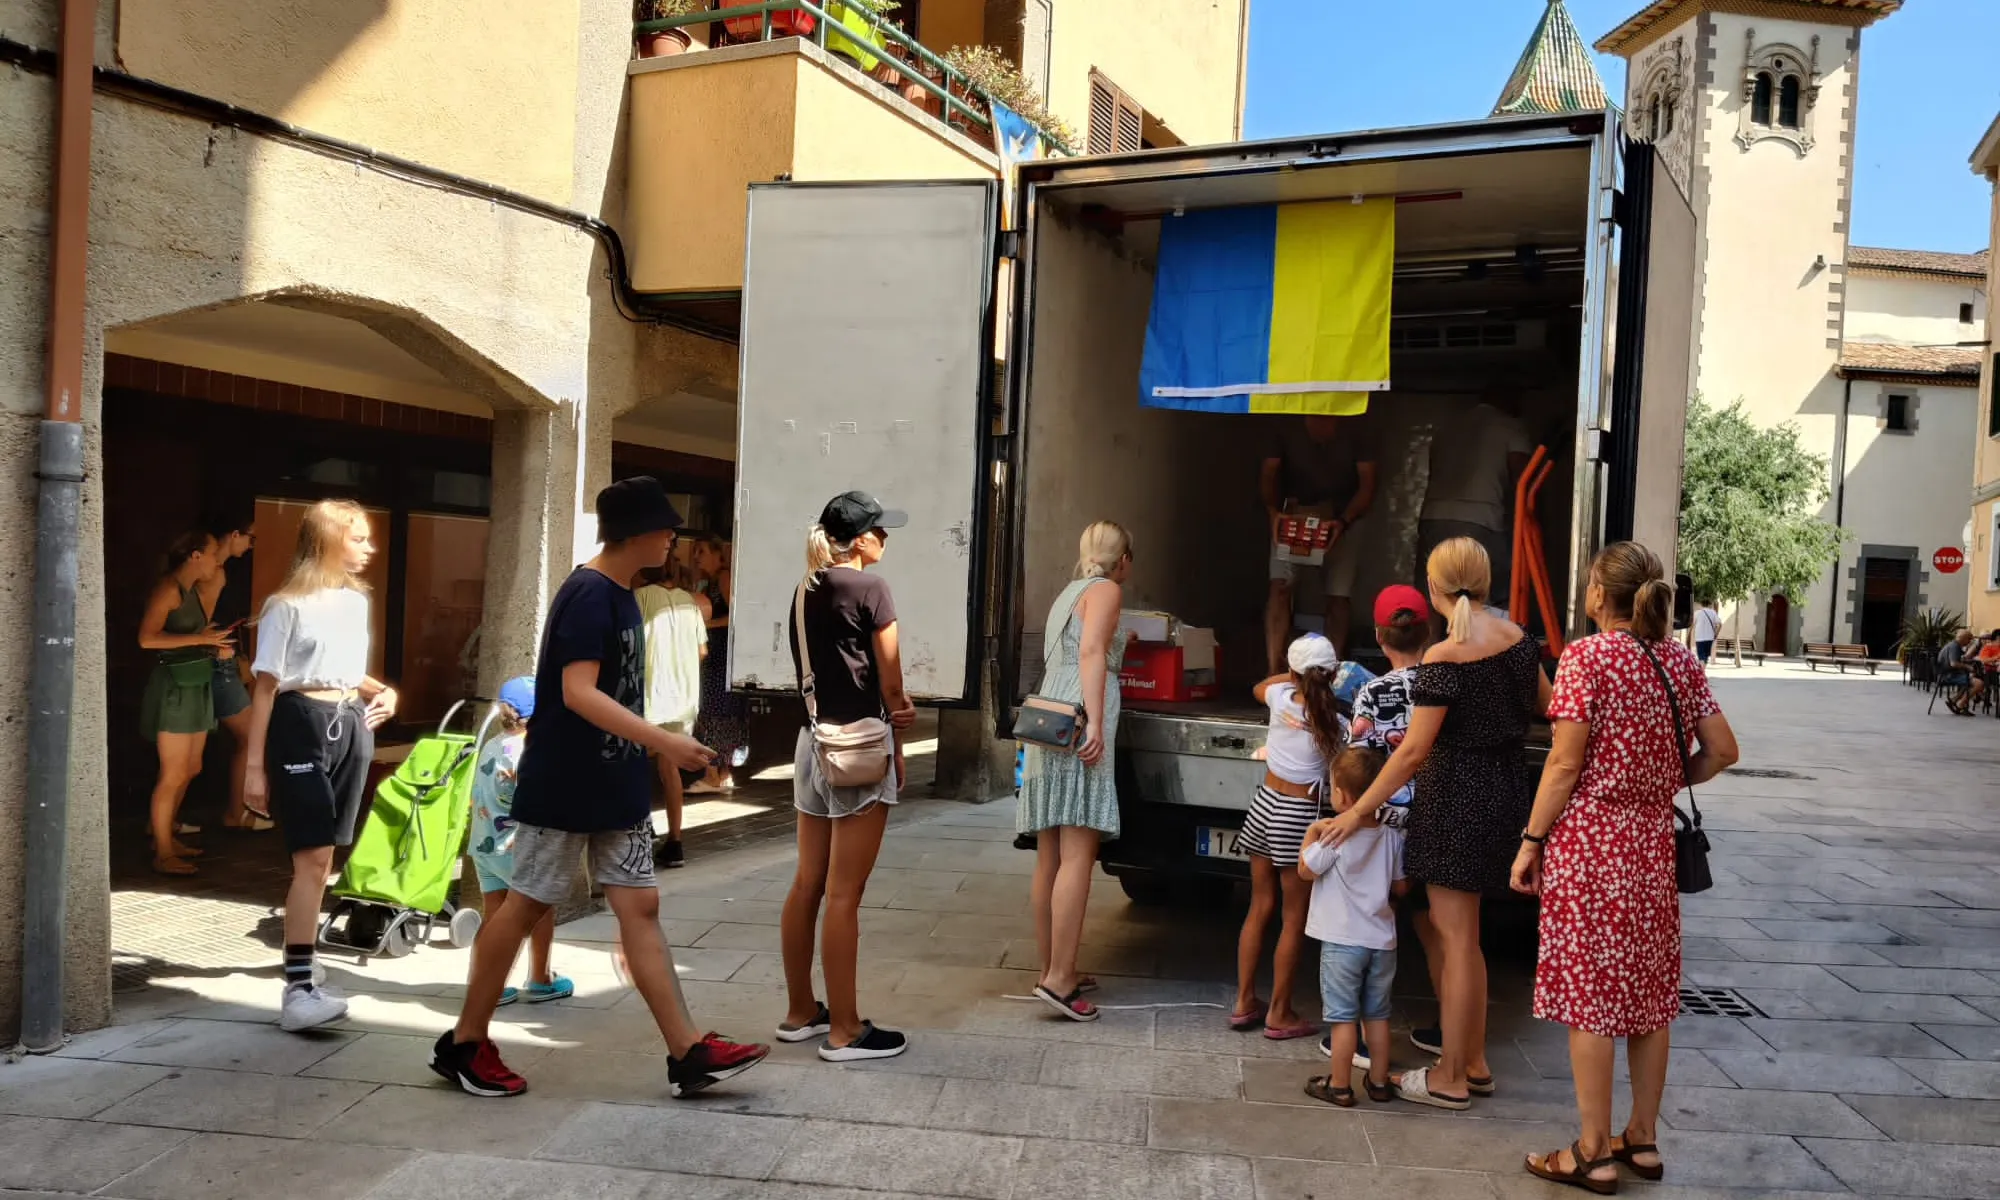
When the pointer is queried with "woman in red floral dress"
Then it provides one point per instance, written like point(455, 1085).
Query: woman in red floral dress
point(1599, 849)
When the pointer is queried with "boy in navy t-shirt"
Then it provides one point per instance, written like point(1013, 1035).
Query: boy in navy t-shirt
point(585, 790)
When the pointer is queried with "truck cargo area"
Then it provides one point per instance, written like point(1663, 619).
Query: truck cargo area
point(1487, 301)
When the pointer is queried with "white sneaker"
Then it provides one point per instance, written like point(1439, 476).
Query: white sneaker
point(309, 1007)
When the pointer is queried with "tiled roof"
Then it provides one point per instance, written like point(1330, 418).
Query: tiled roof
point(1948, 364)
point(1556, 73)
point(1640, 23)
point(1922, 262)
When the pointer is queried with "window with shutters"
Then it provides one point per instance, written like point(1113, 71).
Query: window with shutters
point(1117, 122)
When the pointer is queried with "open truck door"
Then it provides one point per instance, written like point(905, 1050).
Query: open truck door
point(865, 361)
point(1652, 363)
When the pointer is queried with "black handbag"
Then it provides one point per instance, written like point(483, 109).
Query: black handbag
point(1046, 721)
point(1691, 873)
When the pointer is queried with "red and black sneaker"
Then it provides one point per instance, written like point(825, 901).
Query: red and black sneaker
point(711, 1060)
point(475, 1066)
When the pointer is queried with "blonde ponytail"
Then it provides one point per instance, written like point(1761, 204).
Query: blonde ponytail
point(1460, 570)
point(823, 552)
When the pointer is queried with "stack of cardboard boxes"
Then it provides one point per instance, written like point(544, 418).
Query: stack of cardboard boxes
point(1169, 662)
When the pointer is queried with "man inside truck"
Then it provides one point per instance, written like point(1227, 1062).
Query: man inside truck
point(1471, 488)
point(1317, 466)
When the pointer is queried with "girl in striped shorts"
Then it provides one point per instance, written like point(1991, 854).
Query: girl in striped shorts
point(1307, 732)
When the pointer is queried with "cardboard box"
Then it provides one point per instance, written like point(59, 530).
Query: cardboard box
point(1150, 626)
point(1158, 671)
point(1197, 648)
point(1304, 539)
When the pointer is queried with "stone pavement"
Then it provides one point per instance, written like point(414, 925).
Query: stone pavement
point(1856, 924)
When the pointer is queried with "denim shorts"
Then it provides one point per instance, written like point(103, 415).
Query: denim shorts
point(1354, 982)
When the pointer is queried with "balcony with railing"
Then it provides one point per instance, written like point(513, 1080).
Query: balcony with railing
point(809, 90)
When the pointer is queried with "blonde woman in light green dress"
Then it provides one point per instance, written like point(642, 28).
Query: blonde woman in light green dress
point(1070, 801)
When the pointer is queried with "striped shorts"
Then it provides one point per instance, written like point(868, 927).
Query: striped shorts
point(1276, 826)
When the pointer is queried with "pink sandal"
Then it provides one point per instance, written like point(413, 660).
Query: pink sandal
point(1244, 1022)
point(1286, 1033)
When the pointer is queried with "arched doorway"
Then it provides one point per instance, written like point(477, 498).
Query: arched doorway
point(1777, 624)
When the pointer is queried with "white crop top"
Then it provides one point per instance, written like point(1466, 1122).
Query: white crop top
point(1289, 749)
point(314, 643)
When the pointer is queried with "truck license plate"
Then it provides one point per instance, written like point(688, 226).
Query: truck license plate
point(1210, 842)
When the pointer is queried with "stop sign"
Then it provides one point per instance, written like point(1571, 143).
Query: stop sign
point(1949, 559)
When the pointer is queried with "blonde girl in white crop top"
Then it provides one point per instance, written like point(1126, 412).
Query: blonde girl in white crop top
point(310, 766)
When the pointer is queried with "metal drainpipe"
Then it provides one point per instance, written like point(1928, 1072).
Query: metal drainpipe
point(52, 671)
point(1840, 505)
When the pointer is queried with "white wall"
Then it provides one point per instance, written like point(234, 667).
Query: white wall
point(1911, 310)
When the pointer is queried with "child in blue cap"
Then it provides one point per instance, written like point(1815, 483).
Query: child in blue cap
point(493, 836)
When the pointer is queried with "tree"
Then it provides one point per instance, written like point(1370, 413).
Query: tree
point(1750, 499)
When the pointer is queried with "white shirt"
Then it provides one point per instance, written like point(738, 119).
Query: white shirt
point(1707, 623)
point(316, 642)
point(1350, 899)
point(1289, 749)
point(1469, 468)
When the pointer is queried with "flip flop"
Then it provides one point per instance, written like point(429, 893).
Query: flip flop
point(1286, 1033)
point(1625, 1151)
point(1086, 983)
point(1480, 1085)
point(1073, 1006)
point(1320, 1087)
point(1415, 1086)
point(174, 866)
point(1579, 1175)
point(1243, 1022)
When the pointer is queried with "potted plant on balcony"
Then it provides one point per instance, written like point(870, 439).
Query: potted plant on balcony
point(990, 74)
point(785, 22)
point(666, 41)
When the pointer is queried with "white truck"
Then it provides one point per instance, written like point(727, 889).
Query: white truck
point(983, 375)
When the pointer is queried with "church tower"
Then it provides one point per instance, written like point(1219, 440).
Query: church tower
point(1556, 73)
point(1752, 106)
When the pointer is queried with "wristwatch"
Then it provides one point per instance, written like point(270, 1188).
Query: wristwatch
point(1532, 838)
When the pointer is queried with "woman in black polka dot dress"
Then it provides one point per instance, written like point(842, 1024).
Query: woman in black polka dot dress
point(1471, 702)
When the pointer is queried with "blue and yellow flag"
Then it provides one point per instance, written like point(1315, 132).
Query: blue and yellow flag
point(1272, 309)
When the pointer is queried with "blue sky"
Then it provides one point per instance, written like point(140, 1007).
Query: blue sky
point(1927, 90)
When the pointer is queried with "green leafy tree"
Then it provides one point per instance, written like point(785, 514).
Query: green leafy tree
point(1750, 499)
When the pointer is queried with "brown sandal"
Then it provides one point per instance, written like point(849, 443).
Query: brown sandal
point(1381, 1093)
point(1625, 1152)
point(1320, 1087)
point(1580, 1174)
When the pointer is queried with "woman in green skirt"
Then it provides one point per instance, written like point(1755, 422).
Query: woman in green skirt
point(179, 706)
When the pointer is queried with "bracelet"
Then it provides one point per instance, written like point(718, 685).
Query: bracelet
point(1531, 839)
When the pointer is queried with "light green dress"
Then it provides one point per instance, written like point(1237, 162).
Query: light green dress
point(170, 706)
point(1056, 788)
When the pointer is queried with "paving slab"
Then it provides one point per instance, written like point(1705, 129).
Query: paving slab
point(927, 1161)
point(76, 1156)
point(1295, 1179)
point(239, 1102)
point(1872, 1169)
point(1953, 1121)
point(1748, 1110)
point(1812, 1072)
point(220, 1166)
point(55, 1087)
point(1049, 1168)
point(683, 1139)
point(1971, 1080)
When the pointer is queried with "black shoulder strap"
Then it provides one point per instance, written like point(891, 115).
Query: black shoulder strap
point(1680, 730)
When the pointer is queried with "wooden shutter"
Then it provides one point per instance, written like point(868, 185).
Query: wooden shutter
point(1117, 123)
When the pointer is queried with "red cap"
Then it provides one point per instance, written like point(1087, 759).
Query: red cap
point(1400, 597)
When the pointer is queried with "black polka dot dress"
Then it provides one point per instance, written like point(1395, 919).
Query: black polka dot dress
point(1473, 794)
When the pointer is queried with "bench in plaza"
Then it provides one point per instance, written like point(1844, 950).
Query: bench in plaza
point(1733, 647)
point(1838, 654)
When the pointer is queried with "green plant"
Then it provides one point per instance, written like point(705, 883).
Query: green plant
point(663, 10)
point(1926, 631)
point(989, 72)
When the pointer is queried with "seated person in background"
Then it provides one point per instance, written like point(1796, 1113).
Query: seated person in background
point(1954, 668)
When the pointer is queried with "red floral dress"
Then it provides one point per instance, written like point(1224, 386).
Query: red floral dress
point(1611, 917)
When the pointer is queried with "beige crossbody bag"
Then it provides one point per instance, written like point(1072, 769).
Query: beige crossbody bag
point(857, 754)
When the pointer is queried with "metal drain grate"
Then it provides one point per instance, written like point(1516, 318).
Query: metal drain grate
point(1766, 773)
point(1715, 1002)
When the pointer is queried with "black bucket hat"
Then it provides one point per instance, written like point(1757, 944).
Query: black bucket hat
point(632, 507)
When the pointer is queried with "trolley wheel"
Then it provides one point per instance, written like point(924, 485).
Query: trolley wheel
point(399, 939)
point(464, 927)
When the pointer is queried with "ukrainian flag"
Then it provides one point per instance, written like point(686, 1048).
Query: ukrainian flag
point(1272, 309)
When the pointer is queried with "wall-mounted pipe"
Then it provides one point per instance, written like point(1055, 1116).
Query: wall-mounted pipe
point(59, 486)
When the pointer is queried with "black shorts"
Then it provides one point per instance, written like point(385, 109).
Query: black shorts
point(316, 756)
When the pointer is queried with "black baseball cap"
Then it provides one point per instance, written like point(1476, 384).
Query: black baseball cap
point(851, 514)
point(632, 507)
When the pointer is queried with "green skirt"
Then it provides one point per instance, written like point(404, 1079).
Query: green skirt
point(169, 707)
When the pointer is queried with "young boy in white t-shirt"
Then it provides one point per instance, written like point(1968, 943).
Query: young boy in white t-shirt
point(1352, 919)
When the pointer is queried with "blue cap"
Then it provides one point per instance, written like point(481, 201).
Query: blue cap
point(519, 695)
